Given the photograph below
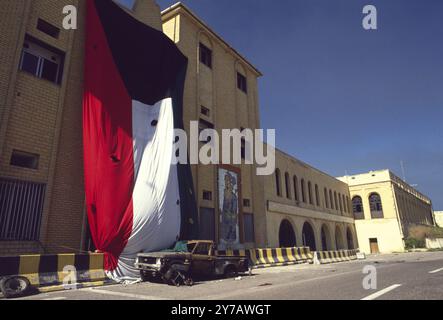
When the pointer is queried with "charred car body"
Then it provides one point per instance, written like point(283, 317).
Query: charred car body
point(187, 260)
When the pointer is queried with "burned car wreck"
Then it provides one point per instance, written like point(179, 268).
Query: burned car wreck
point(189, 260)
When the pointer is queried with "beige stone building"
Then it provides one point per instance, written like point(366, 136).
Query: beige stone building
point(306, 207)
point(384, 208)
point(439, 218)
point(41, 153)
point(220, 93)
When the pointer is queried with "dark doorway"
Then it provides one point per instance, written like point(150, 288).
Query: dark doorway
point(207, 224)
point(309, 237)
point(287, 235)
point(350, 239)
point(325, 238)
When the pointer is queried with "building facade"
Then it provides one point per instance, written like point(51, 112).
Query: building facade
point(439, 218)
point(306, 207)
point(384, 208)
point(41, 88)
point(220, 93)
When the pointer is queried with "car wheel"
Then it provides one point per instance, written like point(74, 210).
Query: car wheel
point(231, 272)
point(15, 287)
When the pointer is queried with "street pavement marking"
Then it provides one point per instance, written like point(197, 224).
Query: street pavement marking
point(127, 295)
point(436, 271)
point(54, 299)
point(382, 292)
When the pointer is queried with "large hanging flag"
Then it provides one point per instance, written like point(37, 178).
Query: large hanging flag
point(137, 200)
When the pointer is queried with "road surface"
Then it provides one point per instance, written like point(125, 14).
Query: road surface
point(398, 276)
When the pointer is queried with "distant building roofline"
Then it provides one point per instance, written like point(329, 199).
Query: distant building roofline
point(180, 6)
point(392, 177)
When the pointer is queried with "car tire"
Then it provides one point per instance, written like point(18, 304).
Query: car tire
point(230, 272)
point(15, 287)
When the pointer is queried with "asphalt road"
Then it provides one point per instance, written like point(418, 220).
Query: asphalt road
point(398, 276)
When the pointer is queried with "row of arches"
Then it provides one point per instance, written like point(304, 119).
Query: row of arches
point(287, 237)
point(375, 205)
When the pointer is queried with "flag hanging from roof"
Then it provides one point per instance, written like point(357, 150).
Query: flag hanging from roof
point(137, 200)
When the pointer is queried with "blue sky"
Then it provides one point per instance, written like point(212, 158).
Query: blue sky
point(341, 98)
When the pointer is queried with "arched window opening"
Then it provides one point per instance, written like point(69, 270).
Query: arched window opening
point(296, 188)
point(288, 186)
point(317, 196)
point(336, 201)
point(303, 190)
point(278, 182)
point(376, 206)
point(357, 208)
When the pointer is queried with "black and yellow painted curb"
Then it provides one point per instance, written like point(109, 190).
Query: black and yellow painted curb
point(265, 258)
point(326, 257)
point(56, 272)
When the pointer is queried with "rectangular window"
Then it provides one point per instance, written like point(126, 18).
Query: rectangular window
point(24, 159)
point(21, 208)
point(42, 60)
point(242, 83)
point(207, 195)
point(205, 111)
point(246, 203)
point(48, 28)
point(248, 225)
point(205, 56)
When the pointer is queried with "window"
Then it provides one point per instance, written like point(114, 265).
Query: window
point(243, 149)
point(336, 201)
point(310, 193)
point(278, 182)
point(48, 28)
point(340, 202)
point(288, 186)
point(317, 196)
point(331, 199)
point(24, 159)
point(205, 111)
point(357, 208)
point(303, 190)
point(42, 60)
point(21, 208)
point(248, 226)
point(205, 55)
point(242, 83)
point(345, 206)
point(207, 195)
point(202, 248)
point(296, 188)
point(326, 198)
point(246, 203)
point(376, 206)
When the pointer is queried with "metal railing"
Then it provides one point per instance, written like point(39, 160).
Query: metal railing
point(21, 208)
